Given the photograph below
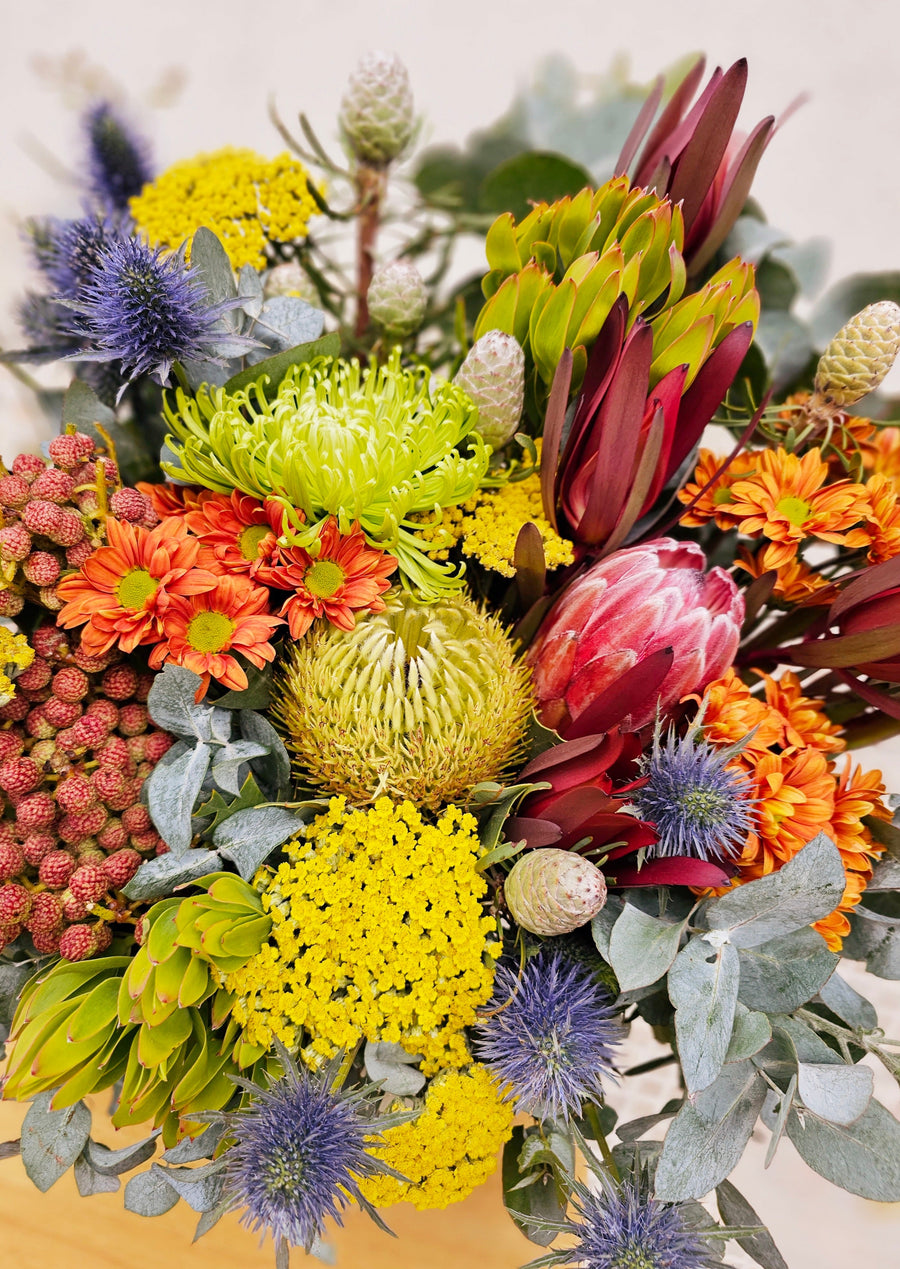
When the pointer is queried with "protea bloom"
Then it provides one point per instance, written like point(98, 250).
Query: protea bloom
point(651, 601)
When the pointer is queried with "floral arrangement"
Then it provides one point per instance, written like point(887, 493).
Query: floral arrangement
point(402, 696)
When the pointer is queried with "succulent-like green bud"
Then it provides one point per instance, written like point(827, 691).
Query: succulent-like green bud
point(398, 298)
point(420, 701)
point(376, 115)
point(290, 279)
point(493, 375)
point(859, 356)
point(552, 891)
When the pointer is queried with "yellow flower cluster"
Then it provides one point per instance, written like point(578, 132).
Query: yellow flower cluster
point(488, 524)
point(15, 654)
point(245, 199)
point(450, 1148)
point(378, 931)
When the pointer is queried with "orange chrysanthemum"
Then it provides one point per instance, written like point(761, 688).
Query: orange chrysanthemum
point(241, 531)
point(788, 501)
point(714, 504)
point(836, 925)
point(882, 455)
point(883, 517)
point(794, 794)
point(802, 721)
point(203, 632)
point(172, 500)
point(795, 582)
point(731, 714)
point(123, 588)
point(857, 796)
point(345, 576)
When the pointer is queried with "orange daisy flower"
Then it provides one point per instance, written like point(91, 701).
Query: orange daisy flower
point(794, 794)
point(883, 452)
point(172, 500)
point(883, 517)
point(858, 795)
point(123, 588)
point(204, 631)
point(731, 713)
point(241, 531)
point(344, 576)
point(795, 582)
point(801, 719)
point(715, 503)
point(788, 501)
point(836, 926)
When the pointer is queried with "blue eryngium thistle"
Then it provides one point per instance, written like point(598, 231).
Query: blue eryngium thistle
point(699, 807)
point(118, 160)
point(145, 310)
point(551, 1036)
point(298, 1152)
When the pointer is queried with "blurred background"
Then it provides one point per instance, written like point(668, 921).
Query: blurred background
point(198, 74)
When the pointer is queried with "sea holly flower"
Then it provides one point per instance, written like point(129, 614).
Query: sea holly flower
point(641, 602)
point(241, 531)
point(118, 160)
point(343, 577)
point(204, 631)
point(122, 589)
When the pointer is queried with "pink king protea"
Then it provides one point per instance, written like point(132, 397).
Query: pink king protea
point(638, 631)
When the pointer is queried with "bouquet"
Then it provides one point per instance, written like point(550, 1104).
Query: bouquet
point(404, 695)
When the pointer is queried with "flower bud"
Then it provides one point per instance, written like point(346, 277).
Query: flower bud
point(290, 278)
point(859, 356)
point(398, 298)
point(554, 891)
point(493, 375)
point(376, 116)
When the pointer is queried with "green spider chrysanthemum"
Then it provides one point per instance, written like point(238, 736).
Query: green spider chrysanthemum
point(375, 446)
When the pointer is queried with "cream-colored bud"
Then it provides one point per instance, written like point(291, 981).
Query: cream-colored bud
point(550, 891)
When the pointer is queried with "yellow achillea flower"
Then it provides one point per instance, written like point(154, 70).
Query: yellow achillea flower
point(378, 931)
point(246, 200)
point(450, 1148)
point(15, 654)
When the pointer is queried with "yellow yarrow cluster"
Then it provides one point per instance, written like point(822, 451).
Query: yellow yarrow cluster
point(378, 931)
point(245, 199)
point(450, 1148)
point(488, 524)
point(15, 654)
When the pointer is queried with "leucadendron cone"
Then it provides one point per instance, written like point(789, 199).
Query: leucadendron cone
point(554, 891)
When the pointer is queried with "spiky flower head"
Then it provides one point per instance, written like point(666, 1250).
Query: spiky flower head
point(551, 891)
point(376, 116)
point(859, 356)
point(420, 701)
point(145, 310)
point(549, 1035)
point(374, 446)
point(68, 251)
point(398, 298)
point(493, 374)
point(118, 159)
point(699, 804)
point(298, 1153)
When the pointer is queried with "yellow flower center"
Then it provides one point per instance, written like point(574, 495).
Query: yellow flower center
point(794, 509)
point(210, 631)
point(250, 540)
point(324, 579)
point(136, 587)
point(722, 495)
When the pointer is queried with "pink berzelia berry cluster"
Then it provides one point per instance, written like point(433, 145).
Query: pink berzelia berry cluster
point(53, 516)
point(76, 744)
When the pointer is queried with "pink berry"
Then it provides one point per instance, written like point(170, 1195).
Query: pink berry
point(56, 869)
point(37, 846)
point(88, 883)
point(70, 684)
point(11, 603)
point(15, 542)
point(92, 665)
point(38, 726)
point(36, 676)
point(73, 909)
point(28, 466)
point(14, 491)
point(61, 713)
point(69, 531)
point(68, 451)
point(19, 776)
point(9, 934)
point(136, 819)
point(53, 485)
point(131, 505)
point(75, 793)
point(133, 719)
point(48, 597)
point(11, 744)
point(46, 913)
point(35, 812)
point(119, 683)
point(78, 942)
point(16, 709)
point(40, 516)
point(105, 712)
point(12, 861)
point(113, 836)
point(41, 568)
point(49, 640)
point(114, 753)
point(108, 782)
point(46, 941)
point(82, 824)
point(87, 732)
point(15, 903)
point(121, 867)
point(76, 555)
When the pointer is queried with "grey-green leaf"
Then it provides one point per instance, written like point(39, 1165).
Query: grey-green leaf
point(604, 922)
point(703, 987)
point(779, 976)
point(737, 1212)
point(862, 1157)
point(90, 1181)
point(201, 1188)
point(390, 1066)
point(149, 1193)
point(752, 1032)
point(535, 1203)
point(209, 258)
point(172, 706)
point(835, 1092)
point(230, 759)
point(848, 1004)
point(52, 1139)
point(642, 948)
point(171, 794)
point(248, 837)
point(160, 876)
point(192, 1149)
point(276, 769)
point(113, 1162)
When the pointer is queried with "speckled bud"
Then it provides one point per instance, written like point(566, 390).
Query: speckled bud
point(398, 298)
point(376, 115)
point(290, 279)
point(493, 375)
point(552, 891)
point(859, 356)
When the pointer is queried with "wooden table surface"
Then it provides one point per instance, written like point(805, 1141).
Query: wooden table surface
point(61, 1230)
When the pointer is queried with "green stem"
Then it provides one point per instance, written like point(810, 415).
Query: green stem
point(592, 1115)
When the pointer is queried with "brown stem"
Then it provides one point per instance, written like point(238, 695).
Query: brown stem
point(370, 191)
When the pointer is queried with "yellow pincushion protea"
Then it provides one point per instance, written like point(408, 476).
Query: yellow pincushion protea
point(246, 200)
point(378, 932)
point(450, 1148)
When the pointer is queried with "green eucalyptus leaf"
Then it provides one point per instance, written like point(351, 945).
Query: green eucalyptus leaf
point(752, 1032)
point(161, 876)
point(10, 1149)
point(277, 367)
point(862, 1157)
point(275, 769)
point(390, 1066)
point(807, 888)
point(89, 1181)
point(286, 321)
point(52, 1139)
point(217, 808)
point(209, 1219)
point(210, 260)
point(737, 1212)
point(171, 794)
point(642, 948)
point(113, 1162)
point(780, 1124)
point(834, 1092)
point(848, 1004)
point(604, 923)
point(531, 177)
point(781, 975)
point(228, 761)
point(149, 1193)
point(192, 1149)
point(172, 705)
point(258, 692)
point(201, 1188)
point(703, 987)
point(534, 1203)
point(249, 837)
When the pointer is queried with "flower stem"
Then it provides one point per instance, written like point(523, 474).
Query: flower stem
point(370, 192)
point(592, 1115)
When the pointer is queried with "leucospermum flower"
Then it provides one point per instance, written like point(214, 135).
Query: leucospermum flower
point(122, 589)
point(241, 531)
point(248, 201)
point(204, 632)
point(549, 1034)
point(371, 446)
point(378, 931)
point(344, 576)
point(450, 1148)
